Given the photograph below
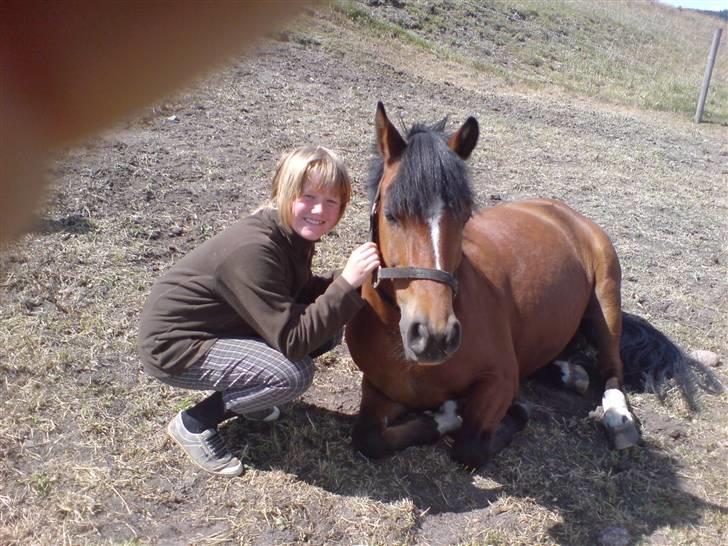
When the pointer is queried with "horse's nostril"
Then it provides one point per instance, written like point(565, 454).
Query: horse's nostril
point(418, 337)
point(453, 337)
point(424, 345)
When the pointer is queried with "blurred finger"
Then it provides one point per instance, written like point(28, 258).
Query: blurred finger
point(69, 71)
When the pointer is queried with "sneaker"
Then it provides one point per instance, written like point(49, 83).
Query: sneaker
point(265, 415)
point(206, 449)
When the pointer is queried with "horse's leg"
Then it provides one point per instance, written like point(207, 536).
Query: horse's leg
point(515, 421)
point(491, 418)
point(383, 426)
point(564, 373)
point(605, 312)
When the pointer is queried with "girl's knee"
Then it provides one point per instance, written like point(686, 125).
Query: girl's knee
point(304, 377)
point(294, 378)
point(283, 381)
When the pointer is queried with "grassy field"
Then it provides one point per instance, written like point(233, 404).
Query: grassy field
point(591, 103)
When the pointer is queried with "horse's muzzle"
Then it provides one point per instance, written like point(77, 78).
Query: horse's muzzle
point(425, 345)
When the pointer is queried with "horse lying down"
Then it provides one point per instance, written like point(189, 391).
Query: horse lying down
point(468, 303)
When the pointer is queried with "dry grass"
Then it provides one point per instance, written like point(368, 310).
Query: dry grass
point(81, 428)
point(631, 53)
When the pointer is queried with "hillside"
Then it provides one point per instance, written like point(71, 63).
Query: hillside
point(637, 54)
point(591, 104)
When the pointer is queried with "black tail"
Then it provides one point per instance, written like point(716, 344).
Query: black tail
point(651, 360)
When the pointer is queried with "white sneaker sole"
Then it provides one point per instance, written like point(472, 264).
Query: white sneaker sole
point(230, 471)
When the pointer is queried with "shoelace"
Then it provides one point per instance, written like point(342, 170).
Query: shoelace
point(216, 445)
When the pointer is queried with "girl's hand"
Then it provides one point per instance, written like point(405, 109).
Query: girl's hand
point(361, 263)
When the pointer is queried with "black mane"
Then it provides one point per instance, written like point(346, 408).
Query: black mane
point(429, 170)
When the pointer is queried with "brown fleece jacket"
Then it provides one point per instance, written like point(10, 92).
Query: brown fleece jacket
point(253, 279)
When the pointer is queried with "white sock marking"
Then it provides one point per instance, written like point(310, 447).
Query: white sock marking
point(615, 408)
point(447, 418)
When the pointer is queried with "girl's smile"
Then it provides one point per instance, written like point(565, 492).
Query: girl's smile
point(316, 211)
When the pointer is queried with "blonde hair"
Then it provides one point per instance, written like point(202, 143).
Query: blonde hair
point(296, 167)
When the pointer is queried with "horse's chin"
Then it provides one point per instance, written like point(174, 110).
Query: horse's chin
point(426, 364)
point(424, 360)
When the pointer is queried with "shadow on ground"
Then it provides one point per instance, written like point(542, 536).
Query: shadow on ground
point(560, 462)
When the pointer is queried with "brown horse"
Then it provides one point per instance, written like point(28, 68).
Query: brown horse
point(469, 303)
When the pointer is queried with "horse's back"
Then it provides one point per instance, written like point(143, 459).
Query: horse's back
point(538, 258)
point(538, 231)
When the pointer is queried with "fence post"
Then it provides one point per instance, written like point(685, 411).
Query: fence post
point(708, 73)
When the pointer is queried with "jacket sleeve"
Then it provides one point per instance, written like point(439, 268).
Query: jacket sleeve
point(256, 282)
point(315, 287)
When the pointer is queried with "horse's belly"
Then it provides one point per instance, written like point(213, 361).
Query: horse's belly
point(549, 313)
point(533, 267)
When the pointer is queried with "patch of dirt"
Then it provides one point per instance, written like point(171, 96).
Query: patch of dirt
point(82, 428)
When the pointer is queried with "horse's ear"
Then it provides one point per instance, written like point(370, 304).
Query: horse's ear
point(389, 141)
point(464, 140)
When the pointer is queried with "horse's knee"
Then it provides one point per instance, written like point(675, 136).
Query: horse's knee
point(367, 438)
point(471, 450)
point(475, 449)
point(291, 380)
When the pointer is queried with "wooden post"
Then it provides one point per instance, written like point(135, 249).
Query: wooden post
point(708, 73)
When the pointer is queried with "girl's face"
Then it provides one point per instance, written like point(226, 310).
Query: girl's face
point(316, 211)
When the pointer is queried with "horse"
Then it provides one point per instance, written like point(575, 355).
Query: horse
point(470, 302)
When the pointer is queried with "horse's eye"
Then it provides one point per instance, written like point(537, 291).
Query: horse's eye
point(390, 218)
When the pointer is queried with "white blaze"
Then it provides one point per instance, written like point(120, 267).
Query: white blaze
point(435, 219)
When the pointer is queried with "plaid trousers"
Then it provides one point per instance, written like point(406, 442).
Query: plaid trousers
point(250, 374)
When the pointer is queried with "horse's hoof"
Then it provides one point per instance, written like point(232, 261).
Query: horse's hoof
point(622, 436)
point(622, 426)
point(573, 376)
point(580, 379)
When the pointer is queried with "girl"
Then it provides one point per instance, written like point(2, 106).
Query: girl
point(243, 315)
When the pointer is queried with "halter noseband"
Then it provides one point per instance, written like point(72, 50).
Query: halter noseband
point(410, 273)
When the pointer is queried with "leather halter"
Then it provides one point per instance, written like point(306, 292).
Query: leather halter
point(409, 273)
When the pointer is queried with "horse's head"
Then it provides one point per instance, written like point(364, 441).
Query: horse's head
point(421, 200)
